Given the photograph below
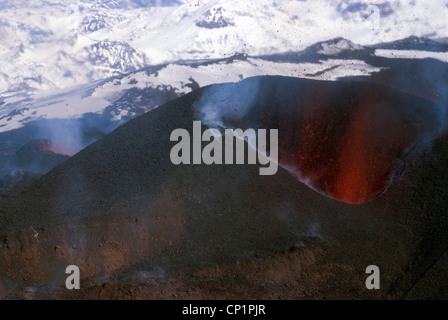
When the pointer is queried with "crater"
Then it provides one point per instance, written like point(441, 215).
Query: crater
point(343, 139)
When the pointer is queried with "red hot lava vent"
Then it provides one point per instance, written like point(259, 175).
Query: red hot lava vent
point(343, 139)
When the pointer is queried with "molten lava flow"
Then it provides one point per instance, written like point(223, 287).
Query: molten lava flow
point(345, 151)
point(355, 180)
point(340, 140)
point(47, 145)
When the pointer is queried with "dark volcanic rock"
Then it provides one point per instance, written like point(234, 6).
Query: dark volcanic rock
point(121, 211)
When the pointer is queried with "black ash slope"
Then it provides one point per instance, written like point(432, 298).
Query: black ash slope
point(121, 204)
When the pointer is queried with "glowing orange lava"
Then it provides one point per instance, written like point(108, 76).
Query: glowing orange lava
point(47, 145)
point(345, 144)
point(345, 151)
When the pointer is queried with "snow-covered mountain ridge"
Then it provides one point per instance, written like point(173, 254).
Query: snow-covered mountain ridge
point(51, 44)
